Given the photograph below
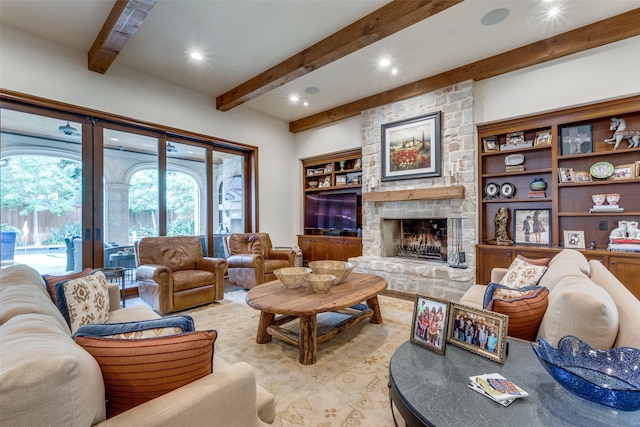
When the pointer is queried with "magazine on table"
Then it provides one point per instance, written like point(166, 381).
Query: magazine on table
point(497, 388)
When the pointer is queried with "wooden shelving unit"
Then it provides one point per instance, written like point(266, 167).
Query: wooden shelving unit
point(568, 202)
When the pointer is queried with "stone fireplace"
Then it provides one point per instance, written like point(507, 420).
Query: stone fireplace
point(391, 208)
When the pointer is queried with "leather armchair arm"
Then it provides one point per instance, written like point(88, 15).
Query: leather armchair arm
point(285, 254)
point(212, 264)
point(246, 261)
point(158, 273)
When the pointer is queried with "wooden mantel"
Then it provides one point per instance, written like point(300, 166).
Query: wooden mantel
point(437, 193)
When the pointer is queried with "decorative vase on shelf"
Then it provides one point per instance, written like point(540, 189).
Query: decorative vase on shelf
point(538, 184)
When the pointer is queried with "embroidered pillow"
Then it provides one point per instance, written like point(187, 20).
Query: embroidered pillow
point(52, 280)
point(525, 307)
point(142, 329)
point(136, 371)
point(524, 272)
point(84, 301)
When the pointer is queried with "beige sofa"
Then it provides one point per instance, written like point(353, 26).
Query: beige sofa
point(47, 379)
point(585, 300)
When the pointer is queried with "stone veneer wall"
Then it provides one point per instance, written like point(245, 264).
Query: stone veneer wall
point(458, 148)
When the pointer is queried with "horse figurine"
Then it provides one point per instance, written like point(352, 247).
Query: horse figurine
point(621, 132)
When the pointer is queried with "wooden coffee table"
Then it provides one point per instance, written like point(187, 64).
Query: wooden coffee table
point(302, 303)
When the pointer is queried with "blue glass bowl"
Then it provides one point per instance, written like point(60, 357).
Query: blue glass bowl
point(609, 377)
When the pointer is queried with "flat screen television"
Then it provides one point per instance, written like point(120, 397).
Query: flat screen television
point(331, 213)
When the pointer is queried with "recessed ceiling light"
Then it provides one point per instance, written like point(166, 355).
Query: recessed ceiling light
point(312, 90)
point(554, 11)
point(197, 56)
point(385, 62)
point(495, 16)
point(394, 71)
point(294, 98)
point(305, 103)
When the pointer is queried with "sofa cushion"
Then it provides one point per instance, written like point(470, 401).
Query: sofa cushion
point(84, 300)
point(138, 370)
point(580, 308)
point(45, 376)
point(567, 262)
point(52, 280)
point(525, 307)
point(524, 272)
point(627, 304)
point(143, 329)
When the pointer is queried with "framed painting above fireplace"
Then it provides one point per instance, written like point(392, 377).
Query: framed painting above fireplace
point(411, 148)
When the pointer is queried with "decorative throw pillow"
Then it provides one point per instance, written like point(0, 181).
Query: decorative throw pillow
point(84, 300)
point(136, 371)
point(525, 307)
point(164, 327)
point(52, 280)
point(524, 272)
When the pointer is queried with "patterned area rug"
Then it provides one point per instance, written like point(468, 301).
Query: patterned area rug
point(347, 386)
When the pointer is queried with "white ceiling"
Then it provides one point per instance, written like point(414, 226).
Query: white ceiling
point(240, 39)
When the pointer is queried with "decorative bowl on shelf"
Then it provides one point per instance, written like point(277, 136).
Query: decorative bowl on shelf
point(320, 283)
point(313, 184)
point(340, 269)
point(609, 377)
point(613, 198)
point(598, 199)
point(292, 277)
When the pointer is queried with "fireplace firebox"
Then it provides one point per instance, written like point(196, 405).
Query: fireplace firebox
point(424, 238)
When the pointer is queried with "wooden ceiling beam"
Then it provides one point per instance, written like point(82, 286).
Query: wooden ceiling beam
point(383, 22)
point(600, 33)
point(121, 24)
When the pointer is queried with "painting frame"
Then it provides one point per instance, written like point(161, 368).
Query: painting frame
point(490, 144)
point(626, 171)
point(421, 333)
point(565, 175)
point(411, 148)
point(581, 176)
point(539, 221)
point(574, 239)
point(458, 332)
point(576, 140)
point(543, 138)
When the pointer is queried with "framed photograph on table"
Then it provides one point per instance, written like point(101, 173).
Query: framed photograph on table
point(574, 239)
point(479, 331)
point(430, 321)
point(532, 226)
point(411, 148)
point(624, 171)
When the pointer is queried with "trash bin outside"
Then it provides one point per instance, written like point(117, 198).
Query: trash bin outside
point(7, 246)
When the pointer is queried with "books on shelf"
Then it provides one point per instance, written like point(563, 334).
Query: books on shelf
point(624, 247)
point(514, 168)
point(537, 194)
point(497, 388)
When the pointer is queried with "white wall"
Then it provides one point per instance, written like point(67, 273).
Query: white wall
point(38, 67)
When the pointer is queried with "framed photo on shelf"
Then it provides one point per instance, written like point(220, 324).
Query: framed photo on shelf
point(328, 168)
point(574, 239)
point(479, 331)
point(490, 143)
point(411, 148)
point(341, 179)
point(357, 164)
point(429, 325)
point(532, 226)
point(581, 176)
point(543, 137)
point(565, 174)
point(576, 140)
point(624, 171)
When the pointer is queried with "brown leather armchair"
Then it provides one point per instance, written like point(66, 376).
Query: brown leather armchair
point(173, 275)
point(252, 259)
